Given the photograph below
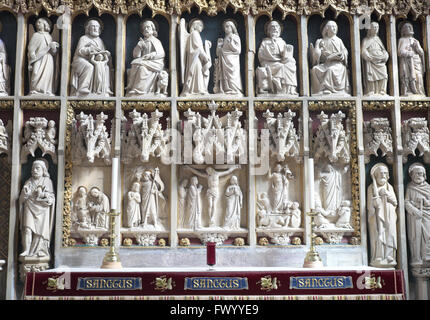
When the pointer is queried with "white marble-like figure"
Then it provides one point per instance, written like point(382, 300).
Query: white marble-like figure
point(377, 136)
point(192, 218)
point(182, 196)
point(145, 137)
point(92, 64)
point(332, 140)
point(133, 215)
point(234, 197)
point(42, 51)
point(153, 202)
point(329, 57)
point(39, 133)
point(234, 136)
point(227, 63)
point(5, 70)
point(36, 208)
point(344, 213)
point(411, 62)
point(283, 137)
point(99, 208)
point(4, 137)
point(277, 71)
point(382, 218)
point(374, 57)
point(90, 139)
point(213, 178)
point(81, 214)
point(417, 204)
point(415, 136)
point(147, 74)
point(195, 59)
point(279, 187)
point(295, 216)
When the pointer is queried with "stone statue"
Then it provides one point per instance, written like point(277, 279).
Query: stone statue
point(153, 201)
point(234, 198)
point(277, 71)
point(279, 187)
point(193, 208)
point(374, 57)
point(329, 57)
point(411, 62)
point(81, 217)
point(416, 137)
point(4, 137)
point(99, 208)
point(39, 133)
point(213, 178)
point(182, 195)
point(5, 70)
point(36, 209)
point(43, 67)
point(377, 136)
point(92, 69)
point(147, 74)
point(133, 215)
point(227, 64)
point(417, 204)
point(195, 59)
point(382, 218)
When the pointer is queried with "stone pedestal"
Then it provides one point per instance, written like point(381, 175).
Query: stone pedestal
point(32, 264)
point(421, 275)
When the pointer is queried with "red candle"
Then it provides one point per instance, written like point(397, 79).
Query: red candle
point(210, 253)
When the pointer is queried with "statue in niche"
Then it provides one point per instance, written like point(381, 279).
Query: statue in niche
point(277, 73)
point(4, 137)
point(182, 195)
point(279, 187)
point(374, 57)
point(377, 136)
point(411, 62)
point(147, 74)
point(417, 204)
point(234, 197)
point(39, 133)
point(99, 208)
point(195, 59)
point(213, 178)
point(5, 70)
point(81, 215)
point(42, 59)
point(382, 217)
point(284, 139)
point(192, 215)
point(329, 58)
point(415, 136)
point(133, 214)
point(227, 64)
point(235, 136)
point(90, 139)
point(36, 208)
point(153, 202)
point(145, 137)
point(331, 140)
point(87, 76)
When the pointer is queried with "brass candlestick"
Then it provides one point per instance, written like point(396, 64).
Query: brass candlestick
point(111, 259)
point(312, 259)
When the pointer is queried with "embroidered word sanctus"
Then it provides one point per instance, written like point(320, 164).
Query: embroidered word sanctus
point(321, 282)
point(216, 283)
point(99, 283)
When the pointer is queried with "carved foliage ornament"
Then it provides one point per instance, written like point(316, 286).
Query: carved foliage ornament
point(39, 133)
point(377, 136)
point(415, 137)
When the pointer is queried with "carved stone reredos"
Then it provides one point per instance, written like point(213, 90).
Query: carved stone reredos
point(415, 136)
point(39, 133)
point(377, 136)
point(4, 139)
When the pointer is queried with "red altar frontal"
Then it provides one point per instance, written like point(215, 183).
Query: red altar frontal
point(287, 284)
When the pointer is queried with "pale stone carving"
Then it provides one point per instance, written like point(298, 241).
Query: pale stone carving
point(227, 78)
point(5, 70)
point(332, 140)
point(377, 136)
point(411, 62)
point(234, 197)
point(182, 196)
point(218, 238)
point(42, 65)
point(92, 64)
point(153, 201)
point(147, 74)
point(80, 213)
point(277, 71)
point(382, 218)
point(415, 137)
point(90, 139)
point(4, 139)
point(195, 59)
point(212, 193)
point(99, 208)
point(36, 213)
point(374, 57)
point(417, 204)
point(329, 59)
point(146, 239)
point(283, 137)
point(192, 213)
point(133, 216)
point(39, 133)
point(145, 138)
